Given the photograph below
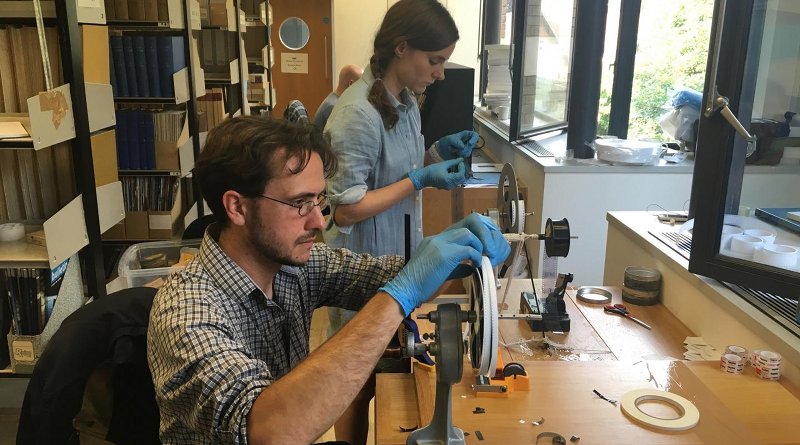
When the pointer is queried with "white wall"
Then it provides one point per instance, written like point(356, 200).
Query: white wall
point(355, 23)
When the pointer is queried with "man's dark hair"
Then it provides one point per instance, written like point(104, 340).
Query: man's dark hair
point(244, 153)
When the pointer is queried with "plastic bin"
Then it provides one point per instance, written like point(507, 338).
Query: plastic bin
point(144, 263)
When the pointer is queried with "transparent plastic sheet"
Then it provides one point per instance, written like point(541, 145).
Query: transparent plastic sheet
point(543, 348)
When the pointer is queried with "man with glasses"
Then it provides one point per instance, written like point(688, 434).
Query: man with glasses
point(228, 341)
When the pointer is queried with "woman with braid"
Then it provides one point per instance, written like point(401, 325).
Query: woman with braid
point(375, 130)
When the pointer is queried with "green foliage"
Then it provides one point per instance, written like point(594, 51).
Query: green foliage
point(671, 53)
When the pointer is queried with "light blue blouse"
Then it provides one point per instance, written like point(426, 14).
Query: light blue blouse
point(371, 157)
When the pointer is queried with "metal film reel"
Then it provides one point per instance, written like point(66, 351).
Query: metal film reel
point(512, 209)
point(483, 334)
point(511, 218)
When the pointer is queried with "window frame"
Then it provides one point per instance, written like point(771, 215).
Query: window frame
point(519, 21)
point(720, 157)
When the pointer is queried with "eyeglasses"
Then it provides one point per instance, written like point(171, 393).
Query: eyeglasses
point(303, 208)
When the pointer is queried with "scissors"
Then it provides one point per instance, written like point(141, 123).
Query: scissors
point(620, 309)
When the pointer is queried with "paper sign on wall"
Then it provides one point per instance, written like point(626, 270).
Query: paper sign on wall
point(294, 63)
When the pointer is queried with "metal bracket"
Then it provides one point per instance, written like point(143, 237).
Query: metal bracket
point(720, 103)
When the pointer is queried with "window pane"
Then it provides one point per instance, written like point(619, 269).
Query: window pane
point(767, 229)
point(546, 67)
point(672, 48)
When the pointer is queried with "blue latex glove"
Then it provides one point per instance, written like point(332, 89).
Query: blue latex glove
point(442, 175)
point(457, 145)
point(432, 263)
point(495, 245)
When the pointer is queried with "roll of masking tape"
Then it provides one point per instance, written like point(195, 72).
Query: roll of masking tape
point(688, 415)
point(12, 232)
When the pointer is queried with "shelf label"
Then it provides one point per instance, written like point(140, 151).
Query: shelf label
point(22, 350)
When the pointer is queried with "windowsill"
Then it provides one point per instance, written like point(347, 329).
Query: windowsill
point(707, 307)
point(495, 132)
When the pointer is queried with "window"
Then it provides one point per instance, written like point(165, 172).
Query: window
point(527, 52)
point(667, 46)
point(746, 234)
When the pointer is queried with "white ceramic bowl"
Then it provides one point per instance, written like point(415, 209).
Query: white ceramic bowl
point(778, 255)
point(746, 244)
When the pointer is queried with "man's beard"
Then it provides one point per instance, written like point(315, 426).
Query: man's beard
point(262, 238)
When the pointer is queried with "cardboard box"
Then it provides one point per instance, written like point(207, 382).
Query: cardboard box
point(442, 208)
point(136, 225)
point(159, 225)
point(167, 156)
point(218, 13)
point(116, 232)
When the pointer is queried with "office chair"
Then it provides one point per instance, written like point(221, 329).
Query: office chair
point(197, 228)
point(296, 112)
point(109, 334)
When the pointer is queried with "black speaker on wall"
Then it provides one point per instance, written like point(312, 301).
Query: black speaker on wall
point(448, 104)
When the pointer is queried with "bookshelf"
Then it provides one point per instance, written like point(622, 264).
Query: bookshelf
point(55, 180)
point(156, 74)
point(258, 19)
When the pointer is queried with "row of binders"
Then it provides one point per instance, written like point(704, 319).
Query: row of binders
point(149, 193)
point(138, 10)
point(140, 132)
point(27, 297)
point(34, 185)
point(21, 72)
point(143, 65)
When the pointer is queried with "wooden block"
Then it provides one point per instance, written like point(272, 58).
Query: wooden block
point(38, 238)
point(425, 385)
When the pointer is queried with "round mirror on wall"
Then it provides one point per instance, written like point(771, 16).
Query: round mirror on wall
point(294, 33)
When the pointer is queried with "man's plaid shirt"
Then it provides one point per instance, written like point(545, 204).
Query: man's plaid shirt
point(215, 341)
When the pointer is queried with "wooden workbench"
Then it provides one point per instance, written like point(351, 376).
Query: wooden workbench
point(607, 355)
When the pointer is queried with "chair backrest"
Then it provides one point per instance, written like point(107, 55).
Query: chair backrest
point(197, 228)
point(296, 112)
point(111, 332)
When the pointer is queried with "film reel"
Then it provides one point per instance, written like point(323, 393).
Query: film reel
point(483, 334)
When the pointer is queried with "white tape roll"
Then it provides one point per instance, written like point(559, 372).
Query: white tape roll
point(12, 232)
point(736, 350)
point(688, 415)
point(489, 308)
point(731, 363)
point(778, 255)
point(746, 244)
point(766, 235)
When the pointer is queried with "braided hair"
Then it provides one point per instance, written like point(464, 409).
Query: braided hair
point(424, 25)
